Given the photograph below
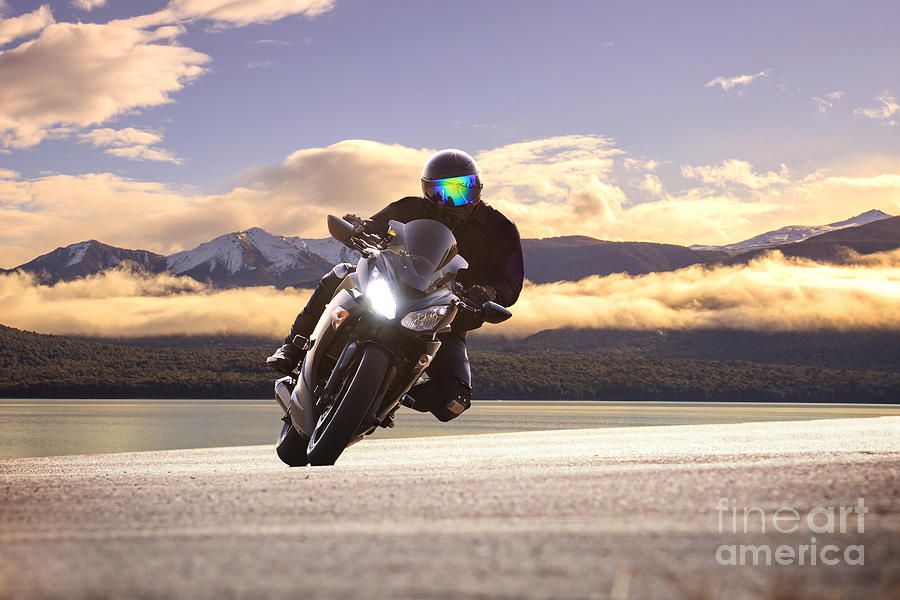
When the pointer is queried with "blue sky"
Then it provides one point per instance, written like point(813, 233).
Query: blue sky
point(684, 122)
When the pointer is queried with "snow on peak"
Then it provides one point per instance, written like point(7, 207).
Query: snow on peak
point(276, 249)
point(225, 250)
point(870, 216)
point(77, 252)
point(240, 251)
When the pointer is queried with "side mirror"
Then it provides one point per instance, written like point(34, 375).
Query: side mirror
point(340, 229)
point(492, 312)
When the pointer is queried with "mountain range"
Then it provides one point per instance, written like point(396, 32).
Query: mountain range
point(793, 233)
point(255, 257)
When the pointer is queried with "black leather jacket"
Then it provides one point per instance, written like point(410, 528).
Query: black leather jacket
point(487, 240)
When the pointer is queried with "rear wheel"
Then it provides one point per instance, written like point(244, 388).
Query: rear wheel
point(340, 422)
point(291, 446)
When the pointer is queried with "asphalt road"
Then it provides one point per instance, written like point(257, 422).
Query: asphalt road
point(598, 513)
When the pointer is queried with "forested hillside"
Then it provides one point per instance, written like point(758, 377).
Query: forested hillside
point(585, 364)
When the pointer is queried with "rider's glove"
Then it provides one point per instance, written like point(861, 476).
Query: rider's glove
point(479, 294)
point(358, 222)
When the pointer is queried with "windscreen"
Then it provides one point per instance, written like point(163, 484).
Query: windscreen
point(419, 250)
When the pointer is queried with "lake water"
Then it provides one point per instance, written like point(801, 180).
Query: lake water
point(35, 427)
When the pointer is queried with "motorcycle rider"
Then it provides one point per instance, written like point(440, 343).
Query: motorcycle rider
point(451, 185)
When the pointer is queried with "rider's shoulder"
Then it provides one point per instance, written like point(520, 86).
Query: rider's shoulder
point(494, 218)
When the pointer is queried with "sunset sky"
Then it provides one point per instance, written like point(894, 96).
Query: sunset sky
point(160, 125)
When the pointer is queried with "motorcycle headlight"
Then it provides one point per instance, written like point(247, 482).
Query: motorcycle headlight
point(425, 320)
point(380, 295)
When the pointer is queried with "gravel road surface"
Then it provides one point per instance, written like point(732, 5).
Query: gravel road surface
point(592, 513)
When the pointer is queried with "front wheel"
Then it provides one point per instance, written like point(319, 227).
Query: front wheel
point(291, 446)
point(340, 422)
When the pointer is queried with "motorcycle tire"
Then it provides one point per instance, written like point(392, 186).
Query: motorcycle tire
point(339, 424)
point(291, 447)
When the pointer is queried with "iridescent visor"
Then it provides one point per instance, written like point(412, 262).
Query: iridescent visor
point(453, 191)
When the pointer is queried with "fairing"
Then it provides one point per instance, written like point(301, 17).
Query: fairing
point(423, 254)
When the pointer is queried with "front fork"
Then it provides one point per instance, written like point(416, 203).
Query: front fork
point(395, 384)
point(382, 412)
point(326, 394)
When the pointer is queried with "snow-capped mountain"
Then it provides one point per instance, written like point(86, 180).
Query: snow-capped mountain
point(251, 257)
point(255, 257)
point(793, 233)
point(86, 258)
point(242, 258)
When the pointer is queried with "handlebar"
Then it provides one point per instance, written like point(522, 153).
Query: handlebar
point(460, 292)
point(365, 243)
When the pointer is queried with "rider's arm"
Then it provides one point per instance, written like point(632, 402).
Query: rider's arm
point(403, 210)
point(506, 269)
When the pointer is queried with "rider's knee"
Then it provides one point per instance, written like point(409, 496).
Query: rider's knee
point(453, 400)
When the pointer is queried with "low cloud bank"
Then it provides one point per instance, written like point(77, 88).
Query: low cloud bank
point(127, 303)
point(772, 293)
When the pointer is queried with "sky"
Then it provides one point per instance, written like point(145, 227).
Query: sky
point(160, 125)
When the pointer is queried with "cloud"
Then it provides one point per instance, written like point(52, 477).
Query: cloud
point(129, 136)
point(828, 102)
point(122, 302)
point(118, 67)
point(25, 25)
point(142, 153)
point(770, 293)
point(42, 213)
point(129, 143)
point(9, 174)
point(121, 66)
point(735, 171)
point(88, 5)
point(739, 81)
point(634, 164)
point(238, 13)
point(281, 43)
point(362, 175)
point(652, 184)
point(259, 64)
point(546, 165)
point(292, 198)
point(884, 113)
point(549, 186)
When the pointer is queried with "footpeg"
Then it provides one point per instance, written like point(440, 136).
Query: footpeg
point(408, 401)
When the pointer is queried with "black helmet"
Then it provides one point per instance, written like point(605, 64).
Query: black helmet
point(451, 179)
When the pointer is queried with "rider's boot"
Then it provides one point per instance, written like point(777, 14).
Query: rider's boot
point(285, 359)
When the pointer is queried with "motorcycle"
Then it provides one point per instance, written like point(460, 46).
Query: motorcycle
point(375, 338)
